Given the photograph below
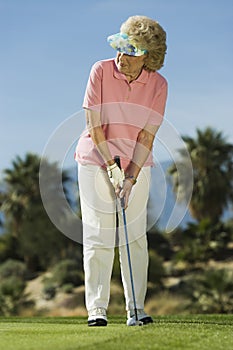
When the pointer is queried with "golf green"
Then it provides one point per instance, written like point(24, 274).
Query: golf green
point(199, 332)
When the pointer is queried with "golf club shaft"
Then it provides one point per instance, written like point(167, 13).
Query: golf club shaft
point(117, 160)
point(130, 265)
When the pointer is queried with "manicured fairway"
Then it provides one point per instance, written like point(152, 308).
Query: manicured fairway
point(213, 332)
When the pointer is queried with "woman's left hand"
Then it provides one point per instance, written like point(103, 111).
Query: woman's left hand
point(125, 191)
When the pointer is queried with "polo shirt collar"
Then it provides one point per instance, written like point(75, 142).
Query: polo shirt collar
point(143, 77)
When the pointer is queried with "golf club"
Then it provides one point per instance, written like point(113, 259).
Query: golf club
point(138, 323)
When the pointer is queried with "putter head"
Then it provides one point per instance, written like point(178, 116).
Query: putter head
point(134, 322)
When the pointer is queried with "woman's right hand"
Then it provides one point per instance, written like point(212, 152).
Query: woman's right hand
point(125, 191)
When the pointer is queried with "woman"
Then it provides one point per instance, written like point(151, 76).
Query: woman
point(124, 104)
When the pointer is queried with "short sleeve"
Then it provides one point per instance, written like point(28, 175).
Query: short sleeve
point(92, 97)
point(158, 105)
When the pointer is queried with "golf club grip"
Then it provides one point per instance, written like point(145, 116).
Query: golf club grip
point(117, 161)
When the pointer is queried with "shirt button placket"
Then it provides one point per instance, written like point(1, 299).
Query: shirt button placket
point(128, 92)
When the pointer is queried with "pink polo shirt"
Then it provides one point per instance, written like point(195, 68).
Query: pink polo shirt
point(126, 108)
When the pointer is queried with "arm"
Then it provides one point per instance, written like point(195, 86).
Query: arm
point(93, 119)
point(142, 149)
point(146, 136)
point(145, 141)
point(94, 127)
point(141, 152)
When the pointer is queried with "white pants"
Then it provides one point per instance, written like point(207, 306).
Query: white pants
point(98, 205)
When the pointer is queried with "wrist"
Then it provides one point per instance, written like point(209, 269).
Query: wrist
point(131, 178)
point(112, 166)
point(110, 163)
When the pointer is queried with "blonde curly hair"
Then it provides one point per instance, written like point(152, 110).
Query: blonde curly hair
point(147, 34)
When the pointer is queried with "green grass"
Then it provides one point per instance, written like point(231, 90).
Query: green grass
point(201, 332)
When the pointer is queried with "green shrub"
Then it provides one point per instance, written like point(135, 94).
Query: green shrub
point(11, 295)
point(116, 272)
point(67, 272)
point(49, 291)
point(211, 292)
point(13, 268)
point(202, 241)
point(156, 270)
point(68, 288)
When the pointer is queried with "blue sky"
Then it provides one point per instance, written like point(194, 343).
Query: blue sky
point(48, 47)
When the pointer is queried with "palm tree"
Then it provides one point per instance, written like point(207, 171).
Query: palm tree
point(25, 217)
point(21, 189)
point(211, 157)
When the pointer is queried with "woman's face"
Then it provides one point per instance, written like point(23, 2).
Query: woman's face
point(129, 65)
